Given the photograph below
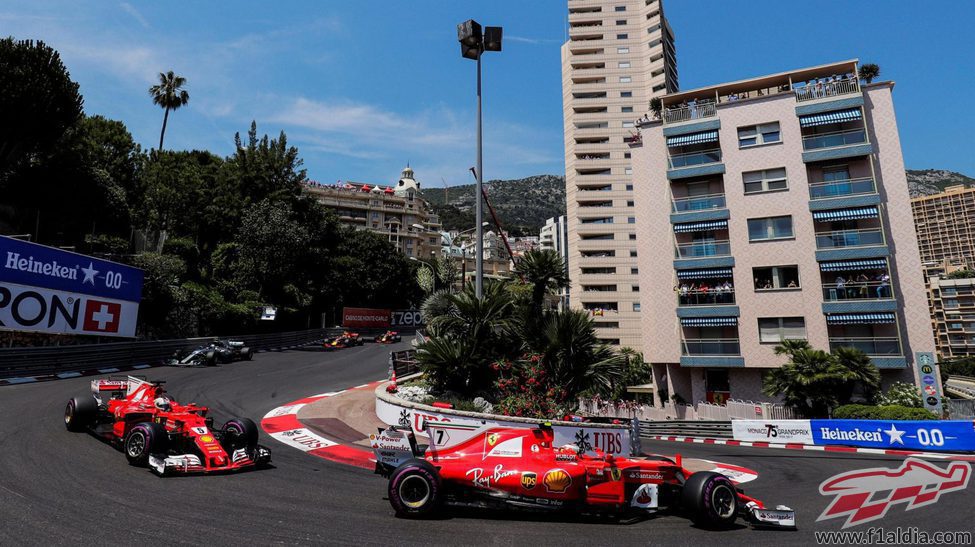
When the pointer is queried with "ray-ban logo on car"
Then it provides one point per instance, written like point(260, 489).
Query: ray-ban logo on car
point(865, 495)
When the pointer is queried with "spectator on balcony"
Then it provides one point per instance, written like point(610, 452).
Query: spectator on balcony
point(703, 293)
point(883, 289)
point(864, 283)
point(792, 284)
point(840, 287)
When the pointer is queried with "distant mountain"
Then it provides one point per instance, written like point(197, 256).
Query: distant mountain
point(522, 205)
point(925, 182)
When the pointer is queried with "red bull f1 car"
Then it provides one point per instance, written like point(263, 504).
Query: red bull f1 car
point(519, 468)
point(388, 337)
point(346, 340)
point(155, 431)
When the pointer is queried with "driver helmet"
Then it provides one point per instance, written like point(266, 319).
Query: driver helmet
point(163, 403)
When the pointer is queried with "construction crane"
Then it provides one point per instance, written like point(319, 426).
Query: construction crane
point(497, 222)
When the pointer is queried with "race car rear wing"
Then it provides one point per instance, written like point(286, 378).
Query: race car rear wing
point(128, 384)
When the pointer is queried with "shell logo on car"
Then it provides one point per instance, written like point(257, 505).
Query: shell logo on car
point(206, 438)
point(557, 481)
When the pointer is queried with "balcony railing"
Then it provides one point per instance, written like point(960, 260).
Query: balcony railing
point(839, 188)
point(834, 139)
point(822, 91)
point(854, 290)
point(870, 346)
point(698, 203)
point(691, 159)
point(688, 113)
point(849, 238)
point(710, 346)
point(712, 297)
point(703, 249)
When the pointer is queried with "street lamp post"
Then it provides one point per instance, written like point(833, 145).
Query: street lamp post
point(473, 43)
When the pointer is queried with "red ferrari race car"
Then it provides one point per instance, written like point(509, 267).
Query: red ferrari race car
point(155, 431)
point(346, 340)
point(518, 468)
point(388, 337)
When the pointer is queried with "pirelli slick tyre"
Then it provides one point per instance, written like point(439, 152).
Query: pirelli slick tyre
point(415, 489)
point(239, 433)
point(80, 413)
point(711, 499)
point(142, 440)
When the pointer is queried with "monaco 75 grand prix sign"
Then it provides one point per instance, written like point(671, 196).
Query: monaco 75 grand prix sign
point(43, 289)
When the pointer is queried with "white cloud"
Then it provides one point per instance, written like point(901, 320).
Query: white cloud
point(130, 9)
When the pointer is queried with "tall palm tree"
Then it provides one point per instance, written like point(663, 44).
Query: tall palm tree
point(807, 383)
point(170, 95)
point(544, 270)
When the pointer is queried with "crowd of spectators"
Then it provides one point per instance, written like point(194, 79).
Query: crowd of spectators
point(824, 87)
point(862, 286)
point(693, 294)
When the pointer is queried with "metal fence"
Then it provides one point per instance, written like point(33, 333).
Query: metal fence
point(403, 363)
point(733, 409)
point(687, 428)
point(42, 361)
point(961, 409)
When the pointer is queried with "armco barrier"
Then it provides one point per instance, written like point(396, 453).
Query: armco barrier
point(43, 361)
point(687, 428)
point(939, 436)
point(457, 425)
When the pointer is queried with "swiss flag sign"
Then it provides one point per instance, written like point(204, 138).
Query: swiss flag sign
point(102, 316)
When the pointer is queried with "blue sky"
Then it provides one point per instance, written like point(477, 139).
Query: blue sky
point(363, 87)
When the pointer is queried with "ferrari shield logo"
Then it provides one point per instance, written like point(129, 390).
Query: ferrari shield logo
point(615, 473)
point(492, 439)
point(529, 480)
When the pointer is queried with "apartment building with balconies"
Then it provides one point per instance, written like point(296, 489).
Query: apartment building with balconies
point(945, 226)
point(775, 208)
point(619, 55)
point(397, 212)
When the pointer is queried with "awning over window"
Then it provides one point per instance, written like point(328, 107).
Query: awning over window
point(859, 318)
point(850, 265)
point(709, 321)
point(693, 138)
point(846, 214)
point(704, 274)
point(701, 226)
point(837, 116)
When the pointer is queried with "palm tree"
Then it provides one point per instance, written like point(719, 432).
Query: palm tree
point(789, 347)
point(575, 359)
point(869, 71)
point(858, 371)
point(545, 271)
point(806, 383)
point(170, 95)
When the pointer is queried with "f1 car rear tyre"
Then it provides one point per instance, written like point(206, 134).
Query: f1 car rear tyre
point(80, 413)
point(711, 499)
point(239, 433)
point(414, 489)
point(142, 440)
point(249, 355)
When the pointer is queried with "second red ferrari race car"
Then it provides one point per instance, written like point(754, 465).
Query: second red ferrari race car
point(519, 468)
point(155, 431)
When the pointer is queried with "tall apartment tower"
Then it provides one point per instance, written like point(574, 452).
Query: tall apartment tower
point(775, 208)
point(945, 225)
point(619, 55)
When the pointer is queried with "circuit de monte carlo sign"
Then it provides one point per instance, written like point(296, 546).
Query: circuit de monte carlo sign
point(43, 289)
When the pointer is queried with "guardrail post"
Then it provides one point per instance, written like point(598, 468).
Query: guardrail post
point(636, 447)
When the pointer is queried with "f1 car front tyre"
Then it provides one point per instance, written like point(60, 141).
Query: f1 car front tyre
point(239, 433)
point(711, 499)
point(80, 413)
point(142, 440)
point(414, 489)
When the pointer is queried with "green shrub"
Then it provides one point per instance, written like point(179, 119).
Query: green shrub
point(886, 412)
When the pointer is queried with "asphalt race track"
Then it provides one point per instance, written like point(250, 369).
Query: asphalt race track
point(59, 488)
